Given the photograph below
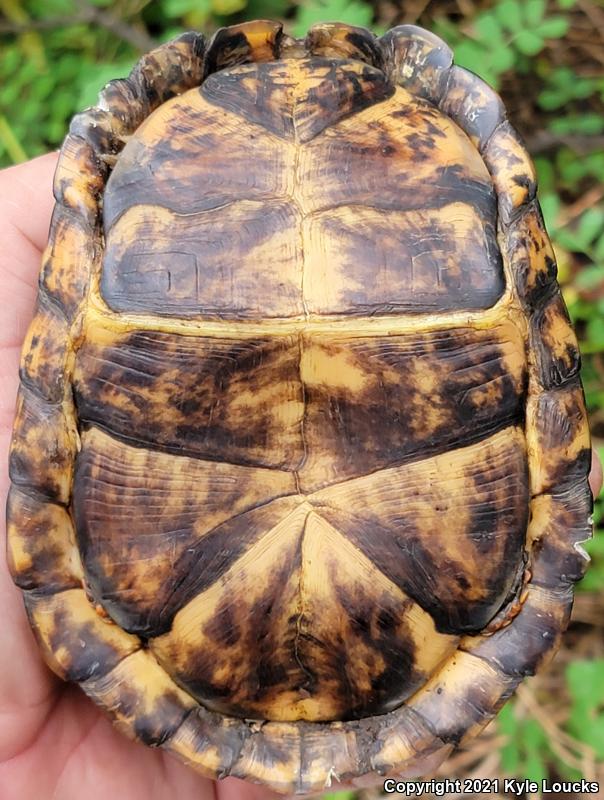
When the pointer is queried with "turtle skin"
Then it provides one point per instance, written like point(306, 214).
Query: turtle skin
point(299, 466)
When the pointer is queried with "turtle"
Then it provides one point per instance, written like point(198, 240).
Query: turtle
point(299, 466)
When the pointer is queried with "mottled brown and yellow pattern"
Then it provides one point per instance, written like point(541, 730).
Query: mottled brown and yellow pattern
point(300, 460)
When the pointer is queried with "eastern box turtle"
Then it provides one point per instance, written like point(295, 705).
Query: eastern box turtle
point(299, 468)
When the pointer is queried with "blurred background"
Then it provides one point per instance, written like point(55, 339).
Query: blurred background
point(546, 58)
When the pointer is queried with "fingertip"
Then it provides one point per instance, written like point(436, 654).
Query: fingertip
point(595, 476)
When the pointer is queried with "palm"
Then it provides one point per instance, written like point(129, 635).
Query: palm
point(53, 742)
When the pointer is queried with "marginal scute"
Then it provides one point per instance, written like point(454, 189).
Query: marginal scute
point(41, 546)
point(398, 741)
point(239, 44)
point(557, 435)
point(334, 754)
point(560, 524)
point(462, 697)
point(336, 40)
point(474, 106)
point(77, 644)
point(66, 261)
point(43, 447)
point(512, 170)
point(209, 742)
point(144, 702)
point(531, 256)
point(121, 99)
point(79, 178)
point(554, 343)
point(45, 352)
point(417, 60)
point(161, 74)
point(100, 129)
point(272, 754)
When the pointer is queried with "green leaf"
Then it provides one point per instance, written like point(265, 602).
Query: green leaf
point(545, 173)
point(489, 28)
point(94, 77)
point(565, 4)
point(510, 752)
point(587, 124)
point(502, 59)
point(590, 277)
point(475, 57)
point(266, 9)
point(534, 11)
point(227, 7)
point(591, 225)
point(353, 13)
point(528, 42)
point(509, 14)
point(178, 8)
point(552, 28)
point(595, 332)
point(599, 252)
point(550, 206)
point(585, 680)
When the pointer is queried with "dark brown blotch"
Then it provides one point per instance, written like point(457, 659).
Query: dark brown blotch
point(41, 547)
point(555, 343)
point(144, 387)
point(42, 448)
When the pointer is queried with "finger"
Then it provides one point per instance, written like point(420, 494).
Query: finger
point(25, 207)
point(26, 687)
point(26, 197)
point(595, 475)
point(26, 203)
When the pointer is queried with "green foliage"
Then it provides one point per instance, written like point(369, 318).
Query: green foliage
point(585, 681)
point(526, 751)
point(563, 86)
point(354, 13)
point(502, 37)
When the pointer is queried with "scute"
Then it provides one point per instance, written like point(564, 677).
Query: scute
point(300, 460)
point(360, 199)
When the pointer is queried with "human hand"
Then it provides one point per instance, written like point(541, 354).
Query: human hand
point(54, 743)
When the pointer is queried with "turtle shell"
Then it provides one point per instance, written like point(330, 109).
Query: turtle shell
point(299, 469)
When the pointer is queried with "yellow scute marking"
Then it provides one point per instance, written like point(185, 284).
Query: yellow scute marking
point(336, 369)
